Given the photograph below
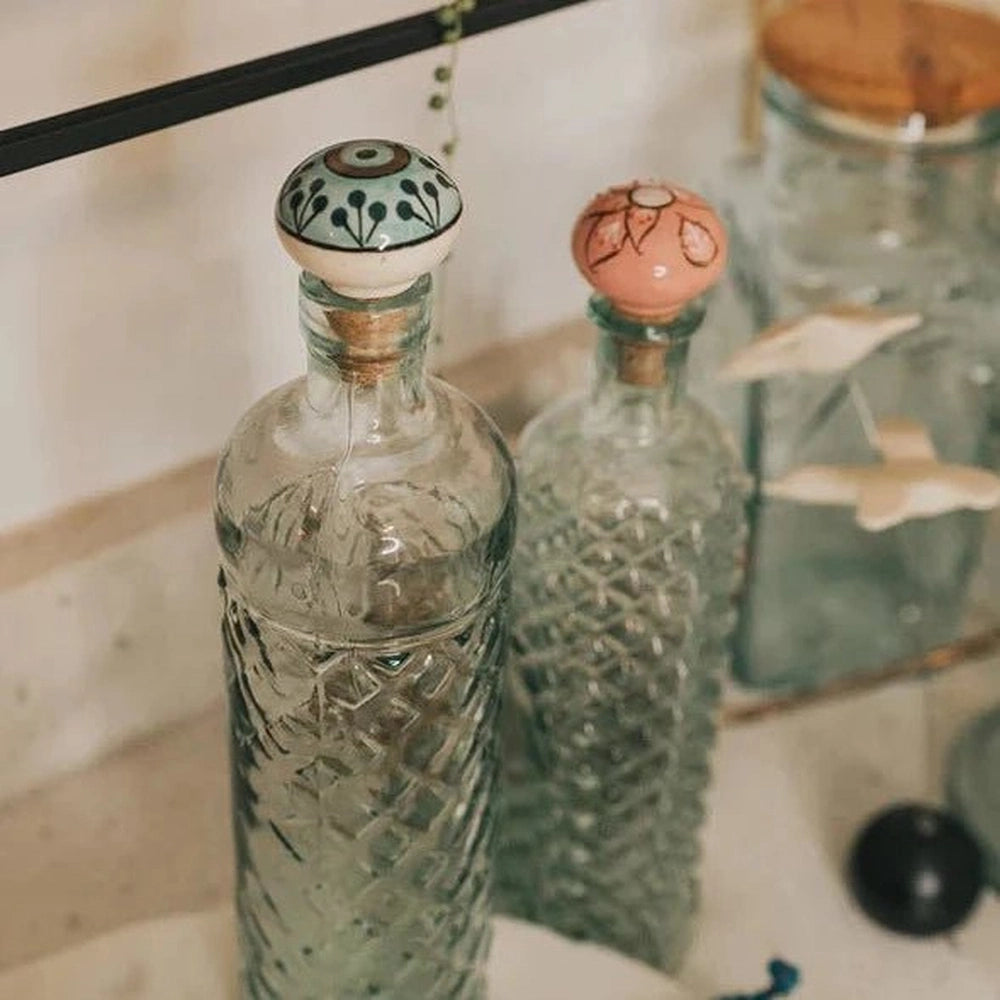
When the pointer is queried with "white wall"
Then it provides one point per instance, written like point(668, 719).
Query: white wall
point(144, 301)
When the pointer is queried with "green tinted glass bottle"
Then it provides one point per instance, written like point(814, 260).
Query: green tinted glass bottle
point(365, 515)
point(630, 539)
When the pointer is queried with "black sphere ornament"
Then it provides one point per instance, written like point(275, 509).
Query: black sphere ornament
point(916, 870)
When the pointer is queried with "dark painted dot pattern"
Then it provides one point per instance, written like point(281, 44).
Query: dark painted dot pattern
point(368, 195)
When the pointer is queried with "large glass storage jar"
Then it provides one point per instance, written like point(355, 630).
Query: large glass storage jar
point(884, 198)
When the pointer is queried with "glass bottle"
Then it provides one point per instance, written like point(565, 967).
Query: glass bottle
point(630, 537)
point(874, 194)
point(365, 515)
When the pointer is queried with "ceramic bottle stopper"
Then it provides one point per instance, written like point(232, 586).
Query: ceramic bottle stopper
point(649, 247)
point(369, 216)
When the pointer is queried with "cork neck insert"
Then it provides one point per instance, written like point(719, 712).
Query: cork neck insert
point(642, 353)
point(365, 340)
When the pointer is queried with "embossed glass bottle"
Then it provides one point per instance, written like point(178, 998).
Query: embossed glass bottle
point(365, 515)
point(630, 536)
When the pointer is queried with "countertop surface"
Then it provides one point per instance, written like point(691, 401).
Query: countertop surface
point(144, 835)
point(141, 962)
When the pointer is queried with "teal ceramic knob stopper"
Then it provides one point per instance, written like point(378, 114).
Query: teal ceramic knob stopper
point(368, 216)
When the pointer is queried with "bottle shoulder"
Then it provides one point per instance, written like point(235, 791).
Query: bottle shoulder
point(334, 519)
point(286, 437)
point(566, 435)
point(688, 475)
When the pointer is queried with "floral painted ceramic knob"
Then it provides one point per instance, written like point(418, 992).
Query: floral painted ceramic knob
point(368, 216)
point(649, 247)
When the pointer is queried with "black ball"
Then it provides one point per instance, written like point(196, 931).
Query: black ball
point(916, 870)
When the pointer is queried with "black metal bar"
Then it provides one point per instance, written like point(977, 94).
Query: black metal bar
point(96, 125)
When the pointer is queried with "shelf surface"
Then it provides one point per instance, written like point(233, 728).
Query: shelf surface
point(144, 834)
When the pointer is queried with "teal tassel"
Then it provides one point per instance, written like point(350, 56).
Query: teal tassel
point(784, 979)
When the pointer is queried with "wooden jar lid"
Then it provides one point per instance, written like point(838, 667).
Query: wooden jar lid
point(886, 59)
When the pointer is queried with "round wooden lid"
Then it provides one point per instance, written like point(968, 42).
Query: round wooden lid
point(886, 59)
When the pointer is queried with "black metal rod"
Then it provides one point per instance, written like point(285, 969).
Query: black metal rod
point(97, 125)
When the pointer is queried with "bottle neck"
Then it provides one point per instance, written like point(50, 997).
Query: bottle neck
point(641, 366)
point(372, 350)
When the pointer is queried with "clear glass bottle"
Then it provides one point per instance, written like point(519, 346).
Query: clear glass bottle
point(886, 205)
point(630, 538)
point(365, 515)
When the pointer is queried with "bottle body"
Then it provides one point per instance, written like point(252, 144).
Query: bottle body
point(630, 532)
point(859, 219)
point(365, 518)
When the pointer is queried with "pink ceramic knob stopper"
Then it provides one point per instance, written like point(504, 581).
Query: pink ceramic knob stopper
point(649, 247)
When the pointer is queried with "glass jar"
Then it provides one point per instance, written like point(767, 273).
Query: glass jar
point(903, 216)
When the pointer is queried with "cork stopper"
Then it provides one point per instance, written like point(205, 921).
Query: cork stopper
point(649, 247)
point(373, 342)
point(642, 363)
point(885, 60)
point(369, 216)
point(364, 339)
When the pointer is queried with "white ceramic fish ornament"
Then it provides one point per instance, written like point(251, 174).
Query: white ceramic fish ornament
point(831, 340)
point(909, 482)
